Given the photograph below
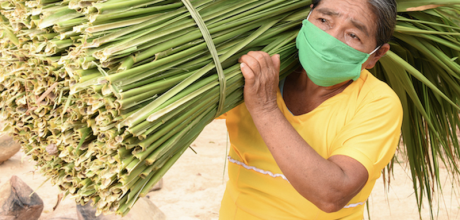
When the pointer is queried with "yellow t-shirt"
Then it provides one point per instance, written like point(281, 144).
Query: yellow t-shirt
point(362, 122)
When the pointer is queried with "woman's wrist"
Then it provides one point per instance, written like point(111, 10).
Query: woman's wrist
point(268, 113)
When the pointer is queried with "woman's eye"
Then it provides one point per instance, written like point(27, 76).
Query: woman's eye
point(354, 36)
point(322, 20)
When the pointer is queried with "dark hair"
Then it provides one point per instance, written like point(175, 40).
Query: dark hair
point(385, 11)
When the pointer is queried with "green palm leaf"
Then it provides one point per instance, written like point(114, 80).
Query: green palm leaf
point(421, 5)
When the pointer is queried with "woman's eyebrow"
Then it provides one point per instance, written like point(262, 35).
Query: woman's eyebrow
point(360, 26)
point(327, 11)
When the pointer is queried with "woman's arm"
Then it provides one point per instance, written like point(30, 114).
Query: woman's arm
point(329, 184)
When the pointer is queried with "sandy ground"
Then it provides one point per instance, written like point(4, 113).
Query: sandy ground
point(194, 186)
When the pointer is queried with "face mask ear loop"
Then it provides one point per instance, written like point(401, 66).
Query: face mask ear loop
point(309, 14)
point(375, 50)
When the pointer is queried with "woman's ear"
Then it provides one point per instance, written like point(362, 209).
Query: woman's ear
point(373, 59)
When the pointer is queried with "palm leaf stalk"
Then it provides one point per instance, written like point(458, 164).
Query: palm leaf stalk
point(106, 95)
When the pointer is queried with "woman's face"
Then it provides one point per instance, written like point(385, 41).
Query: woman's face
point(350, 21)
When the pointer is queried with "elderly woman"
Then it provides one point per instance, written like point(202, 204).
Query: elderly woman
point(313, 145)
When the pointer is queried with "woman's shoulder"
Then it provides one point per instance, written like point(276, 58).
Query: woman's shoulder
point(375, 90)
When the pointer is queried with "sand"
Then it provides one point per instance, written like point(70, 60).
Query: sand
point(194, 186)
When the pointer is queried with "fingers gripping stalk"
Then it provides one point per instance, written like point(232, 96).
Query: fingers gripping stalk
point(261, 73)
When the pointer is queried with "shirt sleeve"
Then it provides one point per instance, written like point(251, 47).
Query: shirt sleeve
point(372, 136)
point(223, 116)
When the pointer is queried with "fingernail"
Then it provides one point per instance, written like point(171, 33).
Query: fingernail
point(242, 65)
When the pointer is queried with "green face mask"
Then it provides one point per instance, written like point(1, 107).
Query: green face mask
point(327, 60)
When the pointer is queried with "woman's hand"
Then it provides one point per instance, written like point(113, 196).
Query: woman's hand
point(261, 73)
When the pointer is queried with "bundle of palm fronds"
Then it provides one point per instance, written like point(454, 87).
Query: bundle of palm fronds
point(106, 95)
